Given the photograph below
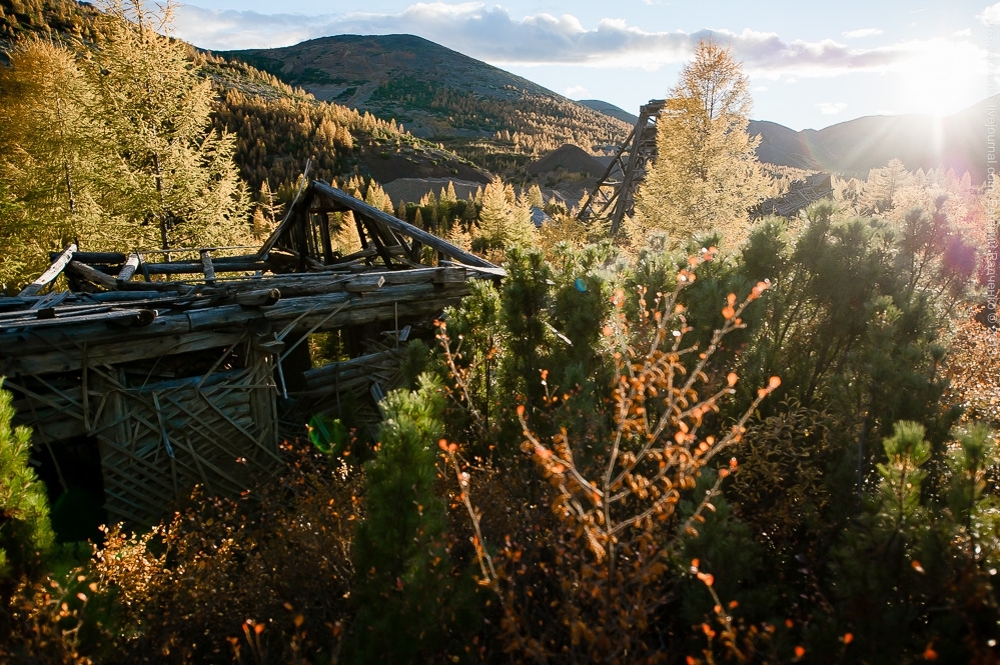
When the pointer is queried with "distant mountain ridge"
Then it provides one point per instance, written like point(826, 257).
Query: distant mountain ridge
point(854, 147)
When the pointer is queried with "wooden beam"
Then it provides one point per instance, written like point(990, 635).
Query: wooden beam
point(103, 258)
point(53, 271)
point(225, 264)
point(49, 318)
point(93, 275)
point(370, 212)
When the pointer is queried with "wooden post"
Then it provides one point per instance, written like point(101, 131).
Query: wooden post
point(125, 274)
point(206, 262)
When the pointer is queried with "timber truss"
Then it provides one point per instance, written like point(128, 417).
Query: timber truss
point(188, 367)
point(613, 198)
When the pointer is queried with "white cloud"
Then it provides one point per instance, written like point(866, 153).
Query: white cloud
point(962, 33)
point(831, 108)
point(575, 91)
point(490, 33)
point(863, 32)
point(990, 15)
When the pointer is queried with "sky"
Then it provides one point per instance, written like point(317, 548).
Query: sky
point(810, 65)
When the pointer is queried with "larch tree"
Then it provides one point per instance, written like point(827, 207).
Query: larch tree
point(504, 220)
point(706, 175)
point(182, 185)
point(51, 161)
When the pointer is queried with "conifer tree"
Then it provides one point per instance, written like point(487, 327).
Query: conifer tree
point(52, 161)
point(183, 184)
point(882, 189)
point(408, 598)
point(706, 175)
point(25, 530)
point(504, 220)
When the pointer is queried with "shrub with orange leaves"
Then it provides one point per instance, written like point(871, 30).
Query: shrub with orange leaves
point(590, 585)
point(279, 557)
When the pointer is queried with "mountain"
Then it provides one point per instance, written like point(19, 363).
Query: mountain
point(612, 110)
point(494, 118)
point(277, 128)
point(854, 147)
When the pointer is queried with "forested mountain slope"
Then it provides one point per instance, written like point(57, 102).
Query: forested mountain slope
point(277, 127)
point(481, 112)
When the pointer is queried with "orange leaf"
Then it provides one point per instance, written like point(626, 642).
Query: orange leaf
point(848, 638)
point(917, 567)
point(728, 312)
point(520, 410)
point(773, 382)
point(443, 444)
point(799, 652)
point(731, 379)
point(930, 653)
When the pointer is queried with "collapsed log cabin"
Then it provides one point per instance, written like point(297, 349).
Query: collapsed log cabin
point(157, 371)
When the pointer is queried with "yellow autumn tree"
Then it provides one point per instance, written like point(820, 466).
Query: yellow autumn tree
point(706, 175)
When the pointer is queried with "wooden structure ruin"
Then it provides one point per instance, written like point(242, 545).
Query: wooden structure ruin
point(191, 370)
point(613, 197)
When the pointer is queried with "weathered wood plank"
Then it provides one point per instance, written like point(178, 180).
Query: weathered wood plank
point(103, 258)
point(53, 271)
point(224, 264)
point(93, 275)
point(127, 318)
point(131, 264)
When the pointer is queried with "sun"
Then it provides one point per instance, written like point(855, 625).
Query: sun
point(939, 77)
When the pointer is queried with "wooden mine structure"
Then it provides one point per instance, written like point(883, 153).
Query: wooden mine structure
point(613, 197)
point(178, 372)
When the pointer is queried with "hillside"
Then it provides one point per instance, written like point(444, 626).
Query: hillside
point(483, 113)
point(277, 127)
point(854, 147)
point(612, 110)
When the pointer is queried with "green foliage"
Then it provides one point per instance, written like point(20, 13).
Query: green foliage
point(411, 603)
point(157, 112)
point(901, 474)
point(25, 532)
